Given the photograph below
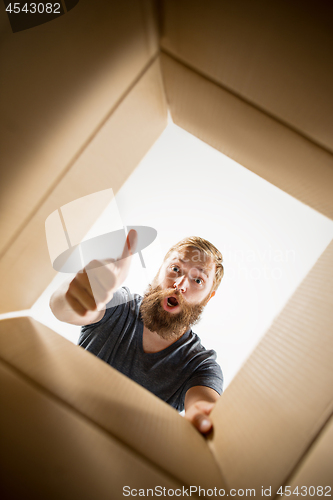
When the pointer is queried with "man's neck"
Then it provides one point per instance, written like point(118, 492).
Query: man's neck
point(152, 342)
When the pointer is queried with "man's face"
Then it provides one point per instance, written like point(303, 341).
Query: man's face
point(178, 294)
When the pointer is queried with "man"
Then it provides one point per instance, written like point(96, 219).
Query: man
point(150, 339)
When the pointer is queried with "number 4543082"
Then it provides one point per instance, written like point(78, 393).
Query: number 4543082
point(311, 491)
point(49, 8)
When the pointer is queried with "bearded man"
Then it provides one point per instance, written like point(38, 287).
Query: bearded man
point(149, 338)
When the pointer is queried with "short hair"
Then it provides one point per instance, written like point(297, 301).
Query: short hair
point(206, 248)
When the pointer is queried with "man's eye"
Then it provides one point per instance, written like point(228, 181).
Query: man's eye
point(175, 269)
point(199, 281)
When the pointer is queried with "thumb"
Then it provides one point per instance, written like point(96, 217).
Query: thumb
point(130, 244)
point(132, 241)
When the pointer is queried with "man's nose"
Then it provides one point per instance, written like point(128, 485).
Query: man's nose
point(180, 284)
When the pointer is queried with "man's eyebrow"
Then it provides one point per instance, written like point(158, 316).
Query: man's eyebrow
point(201, 269)
point(204, 271)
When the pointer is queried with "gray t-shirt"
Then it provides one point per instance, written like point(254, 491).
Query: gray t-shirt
point(117, 340)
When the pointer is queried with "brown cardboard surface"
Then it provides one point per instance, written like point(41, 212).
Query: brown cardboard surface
point(249, 136)
point(315, 469)
point(276, 55)
point(48, 451)
point(59, 82)
point(90, 388)
point(109, 110)
point(106, 162)
point(282, 396)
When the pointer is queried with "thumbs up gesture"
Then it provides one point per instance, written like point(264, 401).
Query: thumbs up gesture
point(93, 287)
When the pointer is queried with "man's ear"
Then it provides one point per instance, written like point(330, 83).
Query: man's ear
point(211, 295)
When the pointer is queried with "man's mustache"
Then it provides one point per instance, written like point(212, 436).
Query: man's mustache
point(160, 294)
point(166, 325)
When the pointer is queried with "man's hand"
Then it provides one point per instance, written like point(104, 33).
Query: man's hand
point(95, 285)
point(83, 300)
point(199, 402)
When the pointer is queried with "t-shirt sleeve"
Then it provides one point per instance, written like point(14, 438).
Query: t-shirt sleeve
point(114, 307)
point(208, 374)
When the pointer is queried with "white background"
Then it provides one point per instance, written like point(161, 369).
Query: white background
point(269, 240)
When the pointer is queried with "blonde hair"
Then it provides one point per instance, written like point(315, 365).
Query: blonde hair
point(206, 248)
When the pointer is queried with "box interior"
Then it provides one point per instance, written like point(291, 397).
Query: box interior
point(100, 82)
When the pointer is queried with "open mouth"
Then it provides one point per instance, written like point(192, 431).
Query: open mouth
point(172, 302)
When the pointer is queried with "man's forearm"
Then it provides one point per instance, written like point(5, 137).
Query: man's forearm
point(75, 302)
point(63, 311)
point(199, 402)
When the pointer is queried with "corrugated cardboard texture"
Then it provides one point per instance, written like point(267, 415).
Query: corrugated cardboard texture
point(59, 83)
point(282, 397)
point(315, 470)
point(96, 104)
point(48, 451)
point(89, 388)
point(106, 162)
point(251, 137)
point(275, 55)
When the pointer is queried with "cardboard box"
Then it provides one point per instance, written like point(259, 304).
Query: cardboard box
point(252, 79)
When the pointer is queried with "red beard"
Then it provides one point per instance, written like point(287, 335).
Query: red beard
point(168, 325)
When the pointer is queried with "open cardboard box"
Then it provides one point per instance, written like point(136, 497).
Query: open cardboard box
point(92, 89)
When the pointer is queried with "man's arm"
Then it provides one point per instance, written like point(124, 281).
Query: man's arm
point(199, 402)
point(74, 302)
